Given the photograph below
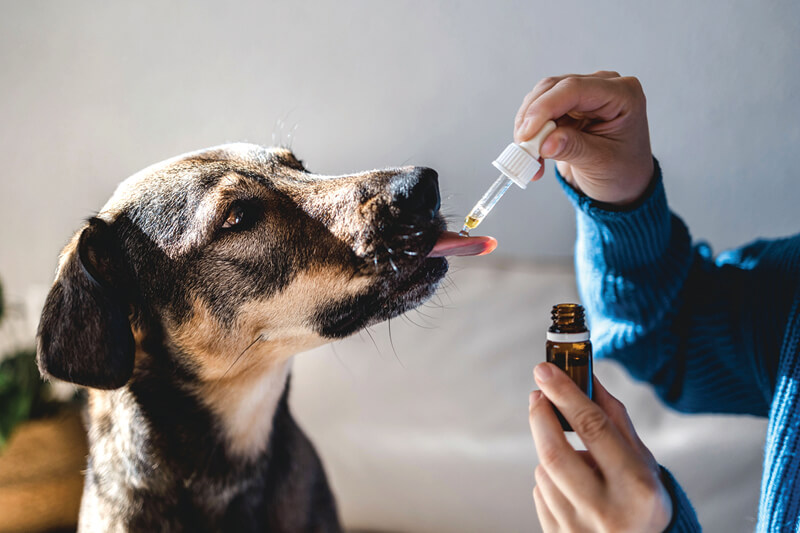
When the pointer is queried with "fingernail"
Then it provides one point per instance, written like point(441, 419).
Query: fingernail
point(552, 146)
point(534, 397)
point(543, 372)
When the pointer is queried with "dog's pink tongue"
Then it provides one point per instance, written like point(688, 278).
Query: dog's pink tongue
point(451, 243)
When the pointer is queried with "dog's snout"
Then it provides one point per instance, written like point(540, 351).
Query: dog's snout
point(422, 194)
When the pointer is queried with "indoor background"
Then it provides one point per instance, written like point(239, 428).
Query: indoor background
point(430, 434)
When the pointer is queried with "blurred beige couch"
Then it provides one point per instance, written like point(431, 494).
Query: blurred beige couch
point(422, 423)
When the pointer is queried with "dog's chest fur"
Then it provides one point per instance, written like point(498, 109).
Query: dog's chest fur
point(144, 477)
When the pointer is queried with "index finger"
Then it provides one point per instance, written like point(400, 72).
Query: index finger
point(602, 98)
point(609, 448)
point(566, 468)
point(545, 85)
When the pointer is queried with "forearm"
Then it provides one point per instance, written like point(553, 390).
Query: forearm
point(664, 309)
point(631, 264)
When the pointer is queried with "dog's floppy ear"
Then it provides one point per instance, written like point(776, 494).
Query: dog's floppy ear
point(84, 334)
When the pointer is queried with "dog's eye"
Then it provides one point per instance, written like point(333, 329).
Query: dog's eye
point(236, 216)
point(242, 215)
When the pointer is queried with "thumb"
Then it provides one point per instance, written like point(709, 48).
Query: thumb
point(570, 145)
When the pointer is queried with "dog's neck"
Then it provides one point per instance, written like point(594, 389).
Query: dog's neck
point(163, 460)
point(183, 429)
point(244, 405)
point(157, 450)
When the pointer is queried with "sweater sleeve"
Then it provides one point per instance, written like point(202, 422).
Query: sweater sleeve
point(684, 519)
point(704, 332)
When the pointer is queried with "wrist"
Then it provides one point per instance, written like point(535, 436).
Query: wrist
point(630, 199)
point(617, 190)
point(637, 188)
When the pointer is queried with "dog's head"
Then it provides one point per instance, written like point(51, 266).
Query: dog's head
point(237, 249)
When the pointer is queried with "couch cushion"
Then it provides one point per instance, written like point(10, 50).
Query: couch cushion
point(422, 422)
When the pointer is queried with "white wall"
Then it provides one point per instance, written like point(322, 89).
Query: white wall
point(91, 91)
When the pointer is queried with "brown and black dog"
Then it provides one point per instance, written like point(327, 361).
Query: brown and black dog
point(180, 305)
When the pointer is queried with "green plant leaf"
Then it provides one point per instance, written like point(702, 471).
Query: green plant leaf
point(21, 390)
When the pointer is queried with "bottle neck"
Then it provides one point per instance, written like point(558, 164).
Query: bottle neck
point(568, 319)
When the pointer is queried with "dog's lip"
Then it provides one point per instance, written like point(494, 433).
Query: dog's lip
point(451, 243)
point(416, 281)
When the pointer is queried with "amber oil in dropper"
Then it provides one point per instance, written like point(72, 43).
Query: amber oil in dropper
point(472, 222)
point(569, 348)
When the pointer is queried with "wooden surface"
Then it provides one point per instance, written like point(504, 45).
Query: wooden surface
point(41, 475)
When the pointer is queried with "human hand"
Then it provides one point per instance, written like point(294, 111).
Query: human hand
point(602, 143)
point(613, 486)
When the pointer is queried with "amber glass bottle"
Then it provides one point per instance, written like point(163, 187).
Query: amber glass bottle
point(569, 348)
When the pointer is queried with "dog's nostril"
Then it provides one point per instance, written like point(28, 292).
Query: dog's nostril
point(423, 196)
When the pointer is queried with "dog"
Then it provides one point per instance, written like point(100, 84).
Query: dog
point(179, 307)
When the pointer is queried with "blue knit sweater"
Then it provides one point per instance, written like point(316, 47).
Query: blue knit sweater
point(711, 335)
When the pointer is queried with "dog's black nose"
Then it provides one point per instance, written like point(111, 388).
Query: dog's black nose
point(422, 194)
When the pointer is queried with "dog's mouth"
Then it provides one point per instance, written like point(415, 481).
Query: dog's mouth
point(402, 248)
point(381, 303)
point(411, 279)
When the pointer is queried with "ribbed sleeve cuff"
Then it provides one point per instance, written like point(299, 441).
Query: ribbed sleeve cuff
point(684, 519)
point(631, 236)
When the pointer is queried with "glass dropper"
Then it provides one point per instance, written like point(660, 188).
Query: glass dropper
point(486, 203)
point(518, 164)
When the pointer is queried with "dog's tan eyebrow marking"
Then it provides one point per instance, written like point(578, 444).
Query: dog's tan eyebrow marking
point(212, 207)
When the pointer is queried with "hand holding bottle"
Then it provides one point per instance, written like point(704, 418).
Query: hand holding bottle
point(602, 143)
point(613, 486)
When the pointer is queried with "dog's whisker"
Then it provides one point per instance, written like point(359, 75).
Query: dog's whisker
point(290, 135)
point(408, 319)
point(450, 283)
point(391, 251)
point(394, 267)
point(437, 307)
point(274, 132)
point(409, 252)
point(438, 301)
point(372, 338)
point(426, 315)
point(260, 337)
point(391, 342)
point(341, 361)
point(277, 133)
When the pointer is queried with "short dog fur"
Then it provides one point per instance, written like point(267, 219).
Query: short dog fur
point(180, 305)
